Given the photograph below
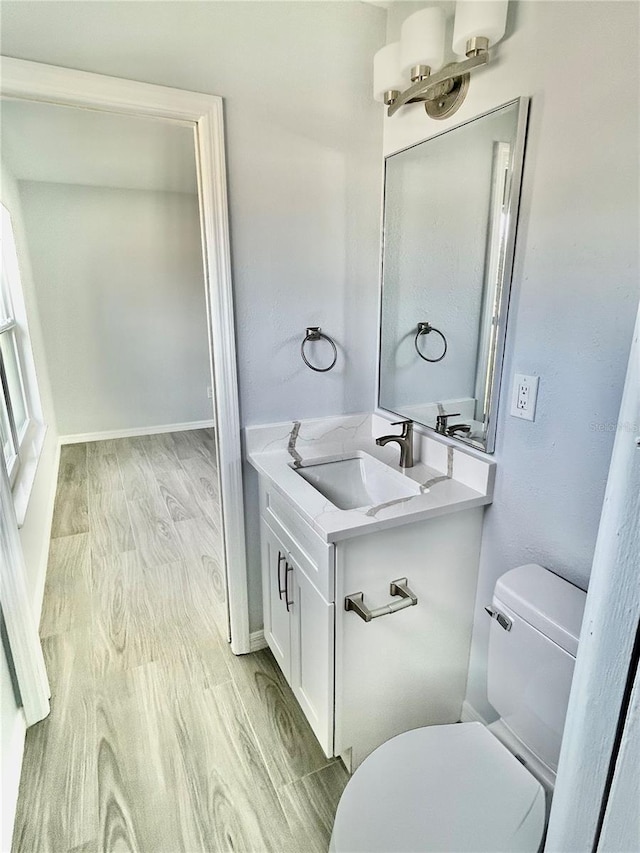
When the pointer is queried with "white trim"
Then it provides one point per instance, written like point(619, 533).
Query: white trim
point(21, 626)
point(47, 83)
point(30, 458)
point(42, 569)
point(606, 639)
point(470, 715)
point(257, 641)
point(80, 437)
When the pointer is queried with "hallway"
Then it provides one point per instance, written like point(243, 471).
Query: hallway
point(159, 738)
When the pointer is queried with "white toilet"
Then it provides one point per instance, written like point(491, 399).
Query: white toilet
point(467, 787)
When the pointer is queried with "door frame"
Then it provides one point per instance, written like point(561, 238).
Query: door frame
point(34, 81)
point(607, 647)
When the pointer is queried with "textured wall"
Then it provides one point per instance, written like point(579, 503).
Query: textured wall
point(575, 285)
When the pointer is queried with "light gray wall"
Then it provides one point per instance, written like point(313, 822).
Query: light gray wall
point(65, 145)
point(121, 294)
point(575, 286)
point(303, 148)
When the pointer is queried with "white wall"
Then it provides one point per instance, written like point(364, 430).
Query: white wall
point(121, 294)
point(34, 533)
point(575, 286)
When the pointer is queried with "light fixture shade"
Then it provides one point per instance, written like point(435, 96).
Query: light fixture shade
point(422, 39)
point(386, 71)
point(478, 18)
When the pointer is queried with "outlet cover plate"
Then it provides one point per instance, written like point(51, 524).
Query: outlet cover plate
point(525, 396)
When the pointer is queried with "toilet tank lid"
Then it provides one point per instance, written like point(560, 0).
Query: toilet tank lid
point(549, 603)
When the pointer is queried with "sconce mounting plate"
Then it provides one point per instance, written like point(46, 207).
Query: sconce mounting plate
point(448, 87)
point(444, 104)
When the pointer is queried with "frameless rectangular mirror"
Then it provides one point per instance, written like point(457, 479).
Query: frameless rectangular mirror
point(450, 211)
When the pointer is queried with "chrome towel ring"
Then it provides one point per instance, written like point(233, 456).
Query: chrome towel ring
point(314, 334)
point(425, 329)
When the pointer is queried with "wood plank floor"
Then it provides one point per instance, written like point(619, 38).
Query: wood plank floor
point(159, 738)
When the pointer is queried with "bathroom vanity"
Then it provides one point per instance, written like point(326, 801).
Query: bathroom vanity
point(342, 526)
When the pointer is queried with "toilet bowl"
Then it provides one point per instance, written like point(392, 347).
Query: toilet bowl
point(467, 787)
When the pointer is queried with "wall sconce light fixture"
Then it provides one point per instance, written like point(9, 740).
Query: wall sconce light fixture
point(479, 24)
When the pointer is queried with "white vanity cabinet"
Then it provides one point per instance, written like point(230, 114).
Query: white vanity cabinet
point(299, 620)
point(360, 683)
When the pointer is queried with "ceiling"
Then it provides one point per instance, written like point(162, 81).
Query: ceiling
point(65, 145)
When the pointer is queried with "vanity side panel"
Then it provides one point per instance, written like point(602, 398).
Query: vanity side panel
point(407, 669)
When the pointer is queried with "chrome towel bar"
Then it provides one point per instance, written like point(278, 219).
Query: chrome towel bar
point(399, 587)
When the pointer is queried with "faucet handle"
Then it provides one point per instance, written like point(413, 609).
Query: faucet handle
point(407, 427)
point(441, 421)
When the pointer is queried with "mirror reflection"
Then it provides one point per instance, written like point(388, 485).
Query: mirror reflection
point(449, 222)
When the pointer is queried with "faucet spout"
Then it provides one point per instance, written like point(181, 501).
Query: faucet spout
point(404, 440)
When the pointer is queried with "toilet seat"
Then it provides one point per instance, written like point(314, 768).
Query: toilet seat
point(441, 788)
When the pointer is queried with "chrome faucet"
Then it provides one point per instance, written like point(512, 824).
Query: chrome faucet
point(405, 440)
point(456, 428)
point(441, 421)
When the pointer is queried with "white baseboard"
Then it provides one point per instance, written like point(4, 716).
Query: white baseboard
point(470, 715)
point(79, 437)
point(257, 641)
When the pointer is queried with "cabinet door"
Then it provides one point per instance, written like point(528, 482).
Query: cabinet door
point(276, 617)
point(312, 633)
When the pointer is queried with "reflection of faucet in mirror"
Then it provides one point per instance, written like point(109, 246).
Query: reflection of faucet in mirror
point(405, 440)
point(441, 421)
point(456, 428)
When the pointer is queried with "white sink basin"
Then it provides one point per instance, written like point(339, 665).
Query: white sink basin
point(361, 481)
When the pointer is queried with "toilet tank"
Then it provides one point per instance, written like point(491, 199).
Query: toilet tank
point(532, 655)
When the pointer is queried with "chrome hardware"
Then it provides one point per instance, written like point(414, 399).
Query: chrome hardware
point(443, 92)
point(502, 620)
point(404, 440)
point(315, 334)
point(390, 96)
point(441, 421)
point(287, 569)
point(419, 72)
point(399, 587)
point(477, 45)
point(454, 428)
point(280, 590)
point(426, 329)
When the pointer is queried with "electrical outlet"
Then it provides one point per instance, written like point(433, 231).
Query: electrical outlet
point(210, 392)
point(525, 395)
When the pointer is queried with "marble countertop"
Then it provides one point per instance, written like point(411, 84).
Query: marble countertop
point(450, 479)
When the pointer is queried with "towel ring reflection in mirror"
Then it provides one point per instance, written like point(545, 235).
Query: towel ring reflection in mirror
point(425, 329)
point(314, 334)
